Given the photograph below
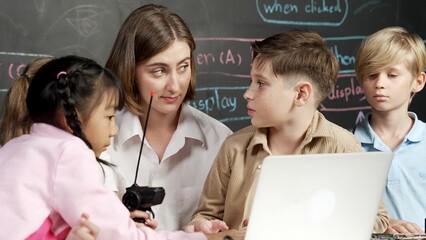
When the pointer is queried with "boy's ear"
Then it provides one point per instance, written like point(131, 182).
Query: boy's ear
point(304, 93)
point(419, 83)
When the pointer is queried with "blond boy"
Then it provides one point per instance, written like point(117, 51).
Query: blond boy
point(390, 68)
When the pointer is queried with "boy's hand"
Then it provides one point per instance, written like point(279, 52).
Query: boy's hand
point(233, 234)
point(245, 223)
point(207, 226)
point(400, 226)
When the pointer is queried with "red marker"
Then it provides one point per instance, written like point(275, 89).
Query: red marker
point(152, 93)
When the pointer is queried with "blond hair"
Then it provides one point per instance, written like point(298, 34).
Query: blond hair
point(387, 47)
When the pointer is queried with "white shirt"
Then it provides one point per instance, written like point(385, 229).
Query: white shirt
point(184, 167)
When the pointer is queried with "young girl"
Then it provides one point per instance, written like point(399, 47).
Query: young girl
point(15, 120)
point(154, 50)
point(51, 175)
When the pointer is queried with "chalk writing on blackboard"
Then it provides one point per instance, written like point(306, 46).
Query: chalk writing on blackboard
point(225, 56)
point(303, 12)
point(222, 101)
point(223, 67)
point(84, 19)
point(11, 66)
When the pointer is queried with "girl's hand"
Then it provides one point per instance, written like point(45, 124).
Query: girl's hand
point(86, 230)
point(145, 215)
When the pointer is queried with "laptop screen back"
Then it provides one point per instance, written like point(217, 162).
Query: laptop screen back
point(318, 196)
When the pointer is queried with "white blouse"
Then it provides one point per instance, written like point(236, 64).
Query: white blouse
point(184, 167)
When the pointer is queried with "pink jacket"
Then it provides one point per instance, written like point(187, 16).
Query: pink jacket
point(51, 177)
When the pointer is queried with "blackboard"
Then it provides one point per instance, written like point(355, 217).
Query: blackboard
point(223, 30)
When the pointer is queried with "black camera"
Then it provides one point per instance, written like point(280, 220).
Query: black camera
point(142, 198)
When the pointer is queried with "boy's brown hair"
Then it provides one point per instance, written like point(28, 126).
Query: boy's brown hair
point(300, 53)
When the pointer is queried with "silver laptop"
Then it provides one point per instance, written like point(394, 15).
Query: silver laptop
point(399, 236)
point(318, 196)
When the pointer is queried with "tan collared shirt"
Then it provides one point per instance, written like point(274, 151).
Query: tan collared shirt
point(227, 191)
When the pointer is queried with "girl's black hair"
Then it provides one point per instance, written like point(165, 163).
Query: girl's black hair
point(69, 84)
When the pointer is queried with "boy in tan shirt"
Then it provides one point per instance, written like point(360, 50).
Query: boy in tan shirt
point(291, 74)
